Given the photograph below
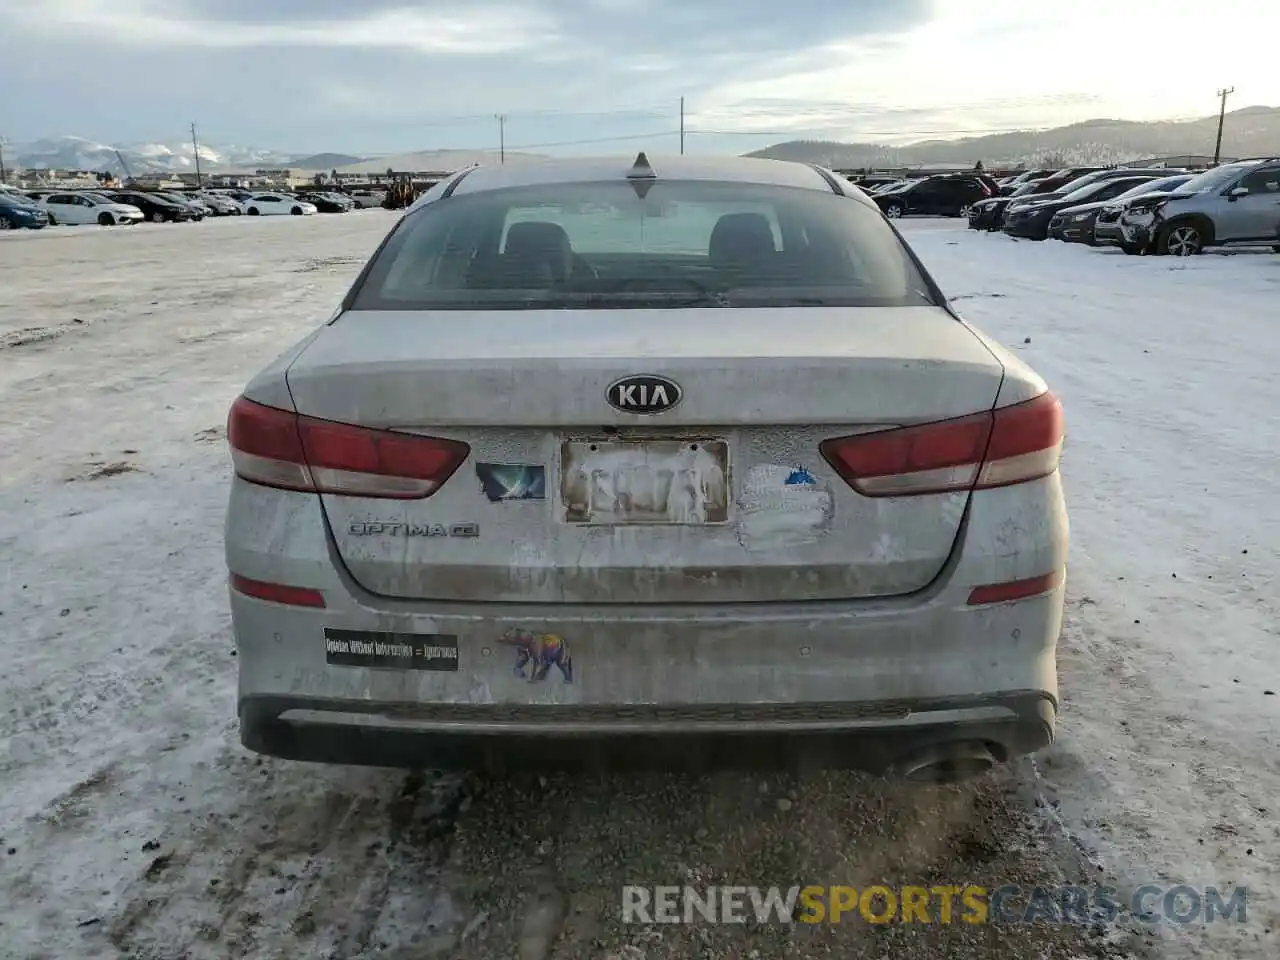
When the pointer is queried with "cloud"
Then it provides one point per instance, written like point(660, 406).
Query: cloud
point(155, 24)
point(399, 75)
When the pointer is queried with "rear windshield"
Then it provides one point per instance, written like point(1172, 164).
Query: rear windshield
point(600, 246)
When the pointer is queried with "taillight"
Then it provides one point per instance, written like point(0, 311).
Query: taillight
point(277, 448)
point(993, 449)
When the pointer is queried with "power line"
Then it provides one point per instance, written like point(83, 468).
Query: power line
point(580, 143)
point(427, 120)
point(831, 125)
point(835, 113)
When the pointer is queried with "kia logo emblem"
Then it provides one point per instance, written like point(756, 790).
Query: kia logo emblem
point(644, 393)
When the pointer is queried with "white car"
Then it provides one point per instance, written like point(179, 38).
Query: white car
point(85, 207)
point(269, 204)
point(364, 199)
point(601, 453)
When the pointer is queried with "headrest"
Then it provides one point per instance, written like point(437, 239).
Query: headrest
point(741, 238)
point(542, 241)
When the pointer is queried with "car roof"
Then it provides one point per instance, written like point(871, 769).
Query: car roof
point(754, 170)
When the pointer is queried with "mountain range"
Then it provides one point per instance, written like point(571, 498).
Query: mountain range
point(1248, 132)
point(1251, 131)
point(77, 153)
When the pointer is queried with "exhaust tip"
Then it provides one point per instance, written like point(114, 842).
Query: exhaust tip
point(948, 763)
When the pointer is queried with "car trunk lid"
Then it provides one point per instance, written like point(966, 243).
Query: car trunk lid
point(723, 497)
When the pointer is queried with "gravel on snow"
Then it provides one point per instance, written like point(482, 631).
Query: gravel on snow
point(132, 824)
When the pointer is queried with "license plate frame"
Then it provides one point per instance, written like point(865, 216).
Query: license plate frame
point(613, 482)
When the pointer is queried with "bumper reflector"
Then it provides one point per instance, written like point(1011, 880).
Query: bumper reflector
point(1014, 589)
point(277, 592)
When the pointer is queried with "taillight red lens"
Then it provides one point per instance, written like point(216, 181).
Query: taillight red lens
point(1014, 590)
point(994, 449)
point(277, 592)
point(278, 448)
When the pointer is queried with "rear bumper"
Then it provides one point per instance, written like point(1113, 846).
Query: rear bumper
point(861, 682)
point(873, 737)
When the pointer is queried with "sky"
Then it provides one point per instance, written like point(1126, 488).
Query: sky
point(370, 77)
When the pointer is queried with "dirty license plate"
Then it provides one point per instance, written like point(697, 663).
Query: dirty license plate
point(622, 482)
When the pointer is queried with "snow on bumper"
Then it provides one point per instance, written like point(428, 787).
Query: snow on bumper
point(916, 667)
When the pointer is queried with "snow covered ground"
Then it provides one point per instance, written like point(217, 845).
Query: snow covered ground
point(1168, 761)
point(133, 825)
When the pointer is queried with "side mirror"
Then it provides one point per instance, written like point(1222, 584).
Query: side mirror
point(1237, 193)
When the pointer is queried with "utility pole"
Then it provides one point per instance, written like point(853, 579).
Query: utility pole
point(1222, 115)
point(4, 174)
point(682, 126)
point(502, 136)
point(195, 143)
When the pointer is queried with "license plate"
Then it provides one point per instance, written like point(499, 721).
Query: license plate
point(622, 482)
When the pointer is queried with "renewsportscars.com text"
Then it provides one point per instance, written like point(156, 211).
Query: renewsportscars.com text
point(970, 904)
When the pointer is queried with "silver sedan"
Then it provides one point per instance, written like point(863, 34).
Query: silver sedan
point(599, 455)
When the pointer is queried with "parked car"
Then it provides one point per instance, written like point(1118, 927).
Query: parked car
point(18, 212)
point(327, 202)
point(1060, 178)
point(871, 183)
point(198, 209)
point(82, 207)
point(992, 212)
point(368, 198)
point(154, 207)
point(273, 204)
point(217, 204)
point(355, 510)
point(940, 196)
point(1011, 184)
point(1106, 228)
point(1075, 214)
point(1077, 183)
point(989, 214)
point(895, 185)
point(1235, 203)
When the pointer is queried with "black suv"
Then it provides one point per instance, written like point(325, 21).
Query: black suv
point(943, 196)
